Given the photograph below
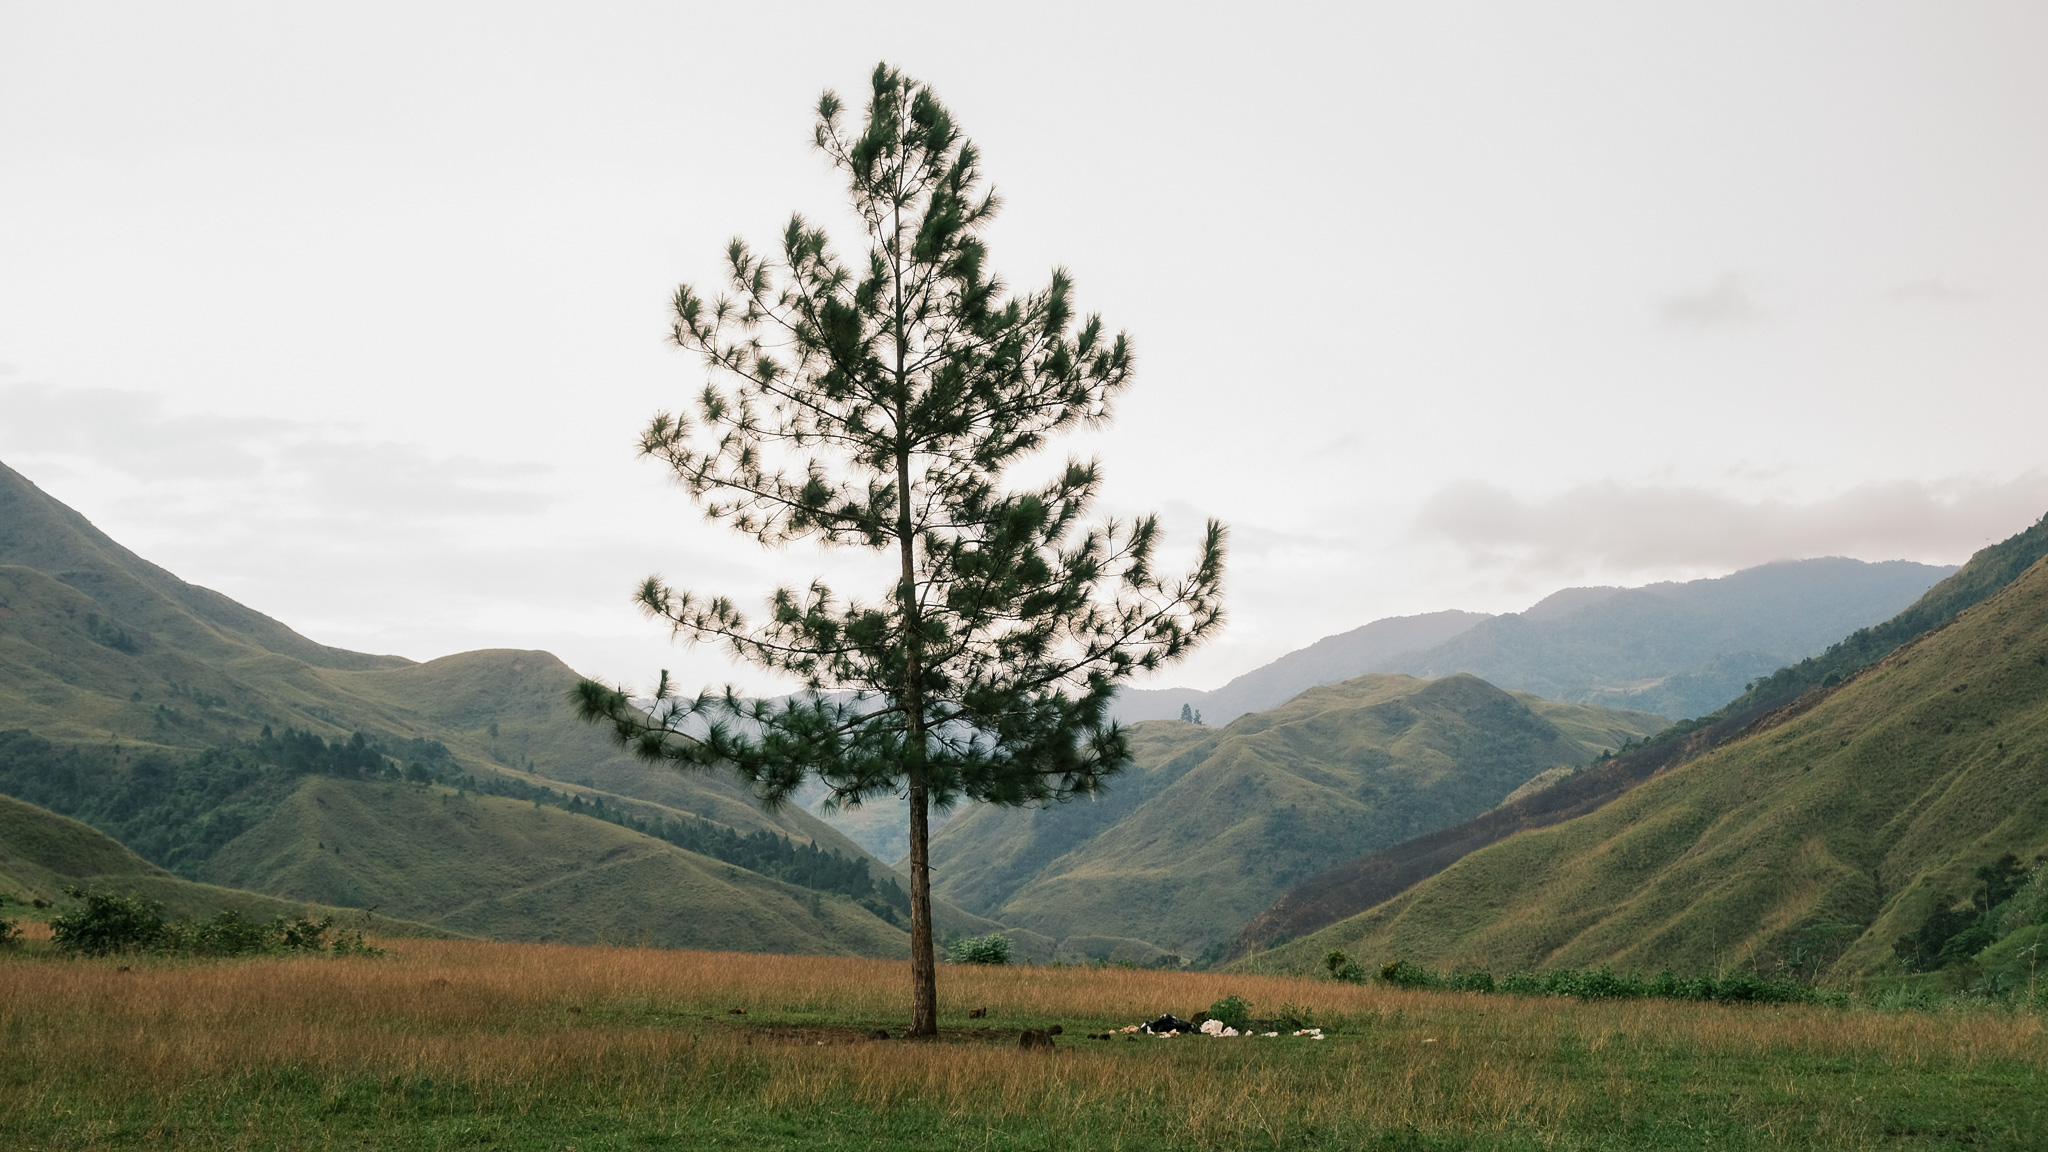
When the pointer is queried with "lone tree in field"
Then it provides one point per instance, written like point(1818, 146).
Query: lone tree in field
point(877, 404)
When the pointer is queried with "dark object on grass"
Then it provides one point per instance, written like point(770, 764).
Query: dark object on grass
point(576, 1008)
point(1054, 1030)
point(879, 1034)
point(1167, 1023)
point(976, 1013)
point(735, 1011)
point(1033, 1038)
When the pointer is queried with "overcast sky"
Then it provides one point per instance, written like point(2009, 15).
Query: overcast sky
point(354, 311)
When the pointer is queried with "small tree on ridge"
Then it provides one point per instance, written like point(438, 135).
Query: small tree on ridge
point(877, 404)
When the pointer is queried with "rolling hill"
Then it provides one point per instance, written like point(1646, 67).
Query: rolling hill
point(42, 853)
point(1868, 802)
point(109, 656)
point(1209, 825)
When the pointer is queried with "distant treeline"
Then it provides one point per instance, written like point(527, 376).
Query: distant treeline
point(177, 810)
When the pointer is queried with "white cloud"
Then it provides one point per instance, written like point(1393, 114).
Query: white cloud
point(219, 470)
point(1931, 291)
point(1611, 527)
point(1729, 300)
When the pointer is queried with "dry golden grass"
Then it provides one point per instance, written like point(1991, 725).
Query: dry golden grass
point(643, 1033)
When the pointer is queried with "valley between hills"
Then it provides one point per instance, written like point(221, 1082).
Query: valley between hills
point(1693, 776)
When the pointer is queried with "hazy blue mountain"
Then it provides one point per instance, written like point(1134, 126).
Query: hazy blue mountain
point(1327, 661)
point(1675, 649)
point(1679, 650)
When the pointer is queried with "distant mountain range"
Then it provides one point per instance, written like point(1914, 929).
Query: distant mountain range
point(1840, 805)
point(1675, 649)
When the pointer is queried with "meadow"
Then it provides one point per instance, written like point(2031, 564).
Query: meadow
point(452, 1044)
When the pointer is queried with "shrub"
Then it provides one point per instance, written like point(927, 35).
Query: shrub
point(227, 934)
point(993, 948)
point(105, 923)
point(1470, 982)
point(1522, 984)
point(1343, 968)
point(1234, 1010)
point(1408, 974)
point(8, 932)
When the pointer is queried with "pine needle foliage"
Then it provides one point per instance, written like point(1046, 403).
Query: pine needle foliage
point(877, 403)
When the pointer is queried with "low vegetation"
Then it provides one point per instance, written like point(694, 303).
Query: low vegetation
point(993, 948)
point(472, 1044)
point(113, 924)
point(1597, 984)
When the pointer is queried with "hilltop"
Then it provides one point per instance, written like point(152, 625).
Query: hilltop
point(1869, 802)
point(1208, 825)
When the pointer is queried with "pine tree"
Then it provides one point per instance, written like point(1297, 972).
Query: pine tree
point(877, 404)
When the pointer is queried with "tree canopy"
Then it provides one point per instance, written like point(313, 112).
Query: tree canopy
point(881, 403)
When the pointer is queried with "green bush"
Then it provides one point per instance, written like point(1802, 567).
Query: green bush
point(1605, 984)
point(105, 924)
point(993, 948)
point(1470, 982)
point(8, 932)
point(1234, 1010)
point(1408, 974)
point(1343, 968)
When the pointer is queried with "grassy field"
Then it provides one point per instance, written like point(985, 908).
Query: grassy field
point(450, 1044)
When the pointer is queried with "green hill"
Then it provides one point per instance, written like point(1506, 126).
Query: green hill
point(1209, 825)
point(120, 666)
point(1869, 803)
point(510, 870)
point(42, 853)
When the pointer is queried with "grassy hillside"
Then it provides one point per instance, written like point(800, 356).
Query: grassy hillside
point(510, 870)
point(132, 669)
point(42, 853)
point(1210, 824)
point(1868, 805)
point(1678, 650)
point(1356, 885)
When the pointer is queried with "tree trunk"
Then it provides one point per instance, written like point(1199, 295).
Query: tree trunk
point(924, 974)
